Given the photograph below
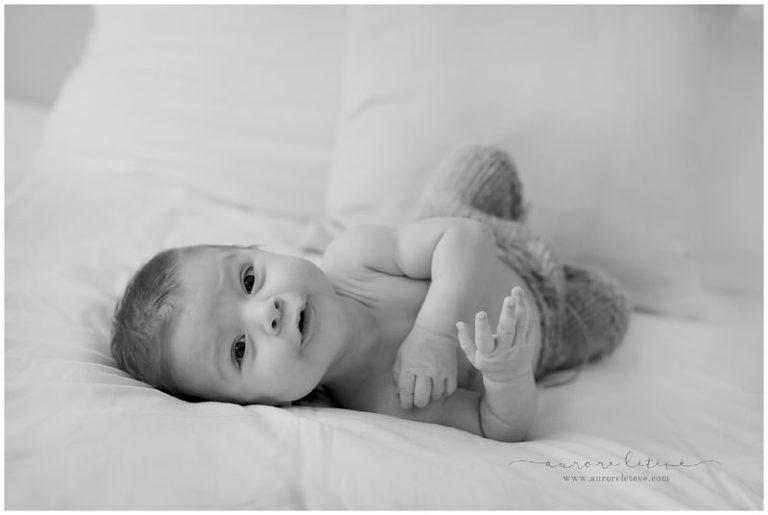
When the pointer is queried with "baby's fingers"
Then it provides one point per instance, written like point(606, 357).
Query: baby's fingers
point(422, 391)
point(513, 319)
point(438, 388)
point(505, 329)
point(450, 385)
point(522, 312)
point(405, 387)
point(465, 341)
point(483, 336)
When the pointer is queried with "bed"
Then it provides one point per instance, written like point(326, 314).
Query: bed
point(116, 171)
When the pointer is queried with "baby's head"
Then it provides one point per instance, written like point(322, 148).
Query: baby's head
point(228, 323)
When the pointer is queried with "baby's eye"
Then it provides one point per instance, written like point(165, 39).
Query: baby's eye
point(238, 349)
point(248, 279)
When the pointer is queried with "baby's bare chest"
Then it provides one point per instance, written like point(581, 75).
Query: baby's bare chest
point(395, 302)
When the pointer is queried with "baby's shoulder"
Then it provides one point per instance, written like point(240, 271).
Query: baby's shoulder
point(364, 264)
point(355, 250)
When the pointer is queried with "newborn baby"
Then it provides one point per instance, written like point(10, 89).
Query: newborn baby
point(381, 325)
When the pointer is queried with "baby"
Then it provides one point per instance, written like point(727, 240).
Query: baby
point(381, 324)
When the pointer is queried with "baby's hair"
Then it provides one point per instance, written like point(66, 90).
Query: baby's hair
point(142, 318)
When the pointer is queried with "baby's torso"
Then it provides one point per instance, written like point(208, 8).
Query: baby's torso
point(394, 302)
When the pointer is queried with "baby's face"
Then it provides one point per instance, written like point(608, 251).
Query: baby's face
point(252, 326)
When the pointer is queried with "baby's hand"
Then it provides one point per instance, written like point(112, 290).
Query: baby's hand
point(508, 354)
point(426, 368)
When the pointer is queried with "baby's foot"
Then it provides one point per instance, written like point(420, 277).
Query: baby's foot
point(481, 177)
point(596, 317)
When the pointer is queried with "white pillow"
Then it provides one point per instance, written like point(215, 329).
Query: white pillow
point(732, 199)
point(239, 102)
point(595, 104)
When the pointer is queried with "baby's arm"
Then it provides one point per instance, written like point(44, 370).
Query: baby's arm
point(455, 254)
point(505, 359)
point(506, 410)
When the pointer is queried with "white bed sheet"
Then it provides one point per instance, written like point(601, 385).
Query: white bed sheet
point(81, 434)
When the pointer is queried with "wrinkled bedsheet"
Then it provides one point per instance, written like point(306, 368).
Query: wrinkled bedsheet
point(79, 433)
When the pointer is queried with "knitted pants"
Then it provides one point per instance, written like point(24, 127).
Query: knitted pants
point(584, 313)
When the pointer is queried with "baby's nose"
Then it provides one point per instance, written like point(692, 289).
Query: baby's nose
point(273, 315)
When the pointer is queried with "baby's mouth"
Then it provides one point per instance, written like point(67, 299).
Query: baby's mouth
point(303, 322)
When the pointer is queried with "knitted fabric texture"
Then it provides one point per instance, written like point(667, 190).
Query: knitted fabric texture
point(584, 313)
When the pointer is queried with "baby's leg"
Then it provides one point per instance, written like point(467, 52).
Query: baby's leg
point(583, 313)
point(481, 183)
point(597, 313)
point(484, 178)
